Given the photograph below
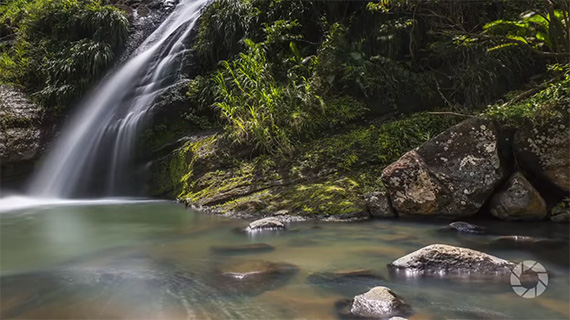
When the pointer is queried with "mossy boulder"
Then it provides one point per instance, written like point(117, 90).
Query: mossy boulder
point(518, 200)
point(542, 149)
point(452, 174)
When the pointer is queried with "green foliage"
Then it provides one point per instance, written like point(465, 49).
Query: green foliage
point(270, 115)
point(539, 108)
point(222, 26)
point(59, 47)
point(544, 29)
point(375, 145)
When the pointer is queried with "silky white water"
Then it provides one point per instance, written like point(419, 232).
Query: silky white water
point(93, 152)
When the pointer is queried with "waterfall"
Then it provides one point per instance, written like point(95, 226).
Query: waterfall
point(96, 146)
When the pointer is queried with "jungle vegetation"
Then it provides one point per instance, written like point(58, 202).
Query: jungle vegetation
point(281, 72)
point(328, 92)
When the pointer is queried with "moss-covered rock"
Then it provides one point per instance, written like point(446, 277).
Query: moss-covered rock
point(542, 149)
point(325, 178)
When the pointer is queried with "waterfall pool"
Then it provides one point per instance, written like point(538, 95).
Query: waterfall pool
point(158, 260)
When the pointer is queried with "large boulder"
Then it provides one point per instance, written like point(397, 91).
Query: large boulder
point(445, 259)
point(379, 303)
point(518, 200)
point(450, 175)
point(542, 150)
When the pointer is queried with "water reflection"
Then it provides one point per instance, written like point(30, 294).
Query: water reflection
point(161, 261)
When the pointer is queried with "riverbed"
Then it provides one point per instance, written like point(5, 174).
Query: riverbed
point(159, 260)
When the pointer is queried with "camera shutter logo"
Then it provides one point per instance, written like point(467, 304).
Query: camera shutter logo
point(529, 266)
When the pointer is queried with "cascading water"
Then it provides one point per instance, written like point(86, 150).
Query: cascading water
point(96, 146)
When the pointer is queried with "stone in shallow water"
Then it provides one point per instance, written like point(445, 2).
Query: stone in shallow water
point(445, 259)
point(270, 223)
point(518, 200)
point(377, 303)
point(526, 242)
point(253, 276)
point(465, 227)
point(244, 248)
point(563, 217)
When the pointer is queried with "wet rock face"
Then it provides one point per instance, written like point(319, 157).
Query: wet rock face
point(379, 303)
point(542, 150)
point(20, 137)
point(19, 130)
point(269, 223)
point(378, 205)
point(253, 276)
point(440, 258)
point(144, 16)
point(450, 175)
point(518, 200)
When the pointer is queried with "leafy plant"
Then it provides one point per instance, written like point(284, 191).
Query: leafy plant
point(60, 46)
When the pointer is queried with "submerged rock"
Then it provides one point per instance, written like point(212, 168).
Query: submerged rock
point(378, 205)
point(563, 217)
point(244, 248)
point(270, 223)
point(341, 279)
point(561, 212)
point(377, 303)
point(450, 175)
point(518, 200)
point(442, 259)
point(515, 241)
point(465, 227)
point(542, 150)
point(253, 276)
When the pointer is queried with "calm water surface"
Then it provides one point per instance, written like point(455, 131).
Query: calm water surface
point(154, 261)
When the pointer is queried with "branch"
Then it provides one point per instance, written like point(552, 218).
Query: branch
point(532, 91)
point(452, 114)
point(489, 37)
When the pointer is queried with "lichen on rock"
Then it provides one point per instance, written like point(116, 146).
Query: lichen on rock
point(518, 200)
point(453, 174)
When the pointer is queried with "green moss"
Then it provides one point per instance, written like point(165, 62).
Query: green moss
point(336, 197)
point(539, 108)
point(327, 177)
point(373, 145)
